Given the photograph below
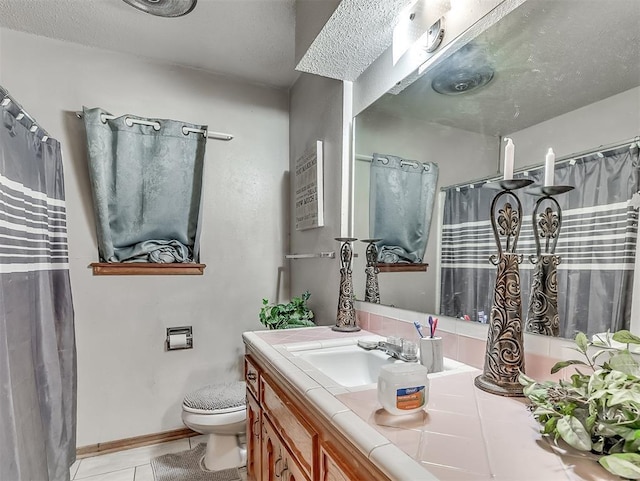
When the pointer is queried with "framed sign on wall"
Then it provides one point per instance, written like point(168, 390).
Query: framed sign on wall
point(309, 189)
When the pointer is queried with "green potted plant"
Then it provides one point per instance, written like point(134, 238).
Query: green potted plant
point(295, 313)
point(598, 411)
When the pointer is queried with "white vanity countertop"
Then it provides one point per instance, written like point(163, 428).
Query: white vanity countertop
point(465, 434)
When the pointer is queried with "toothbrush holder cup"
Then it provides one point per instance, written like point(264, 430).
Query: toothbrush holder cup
point(431, 355)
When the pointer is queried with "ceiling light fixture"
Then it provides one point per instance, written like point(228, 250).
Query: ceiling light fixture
point(164, 8)
point(461, 81)
point(466, 70)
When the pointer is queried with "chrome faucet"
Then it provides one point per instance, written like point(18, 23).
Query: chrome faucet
point(394, 347)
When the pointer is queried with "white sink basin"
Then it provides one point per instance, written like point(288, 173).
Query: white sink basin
point(351, 366)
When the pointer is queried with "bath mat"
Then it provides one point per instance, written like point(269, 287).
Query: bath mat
point(187, 466)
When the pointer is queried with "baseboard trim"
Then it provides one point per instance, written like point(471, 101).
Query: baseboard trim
point(135, 442)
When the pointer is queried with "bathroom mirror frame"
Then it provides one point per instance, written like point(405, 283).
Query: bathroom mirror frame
point(407, 286)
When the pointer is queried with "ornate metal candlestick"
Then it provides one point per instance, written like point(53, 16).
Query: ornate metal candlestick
point(504, 358)
point(542, 315)
point(346, 320)
point(372, 292)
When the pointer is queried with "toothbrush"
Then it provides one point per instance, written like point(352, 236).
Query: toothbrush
point(418, 328)
point(434, 327)
point(430, 326)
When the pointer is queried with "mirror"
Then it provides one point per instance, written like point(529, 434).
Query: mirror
point(565, 74)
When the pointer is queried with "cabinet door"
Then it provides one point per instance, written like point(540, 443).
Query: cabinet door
point(271, 453)
point(289, 423)
point(254, 436)
point(277, 463)
point(291, 470)
point(331, 469)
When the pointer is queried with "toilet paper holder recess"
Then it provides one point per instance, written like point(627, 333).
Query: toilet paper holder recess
point(179, 338)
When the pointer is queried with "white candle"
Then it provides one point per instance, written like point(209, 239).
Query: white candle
point(509, 151)
point(549, 168)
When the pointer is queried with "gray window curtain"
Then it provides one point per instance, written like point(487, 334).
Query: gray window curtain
point(597, 244)
point(146, 179)
point(401, 198)
point(37, 341)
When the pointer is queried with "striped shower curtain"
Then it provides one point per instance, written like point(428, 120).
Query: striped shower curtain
point(597, 244)
point(37, 342)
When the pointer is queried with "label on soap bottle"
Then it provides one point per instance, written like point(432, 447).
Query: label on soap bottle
point(410, 398)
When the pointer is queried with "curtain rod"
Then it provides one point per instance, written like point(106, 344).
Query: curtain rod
point(369, 158)
point(8, 99)
point(156, 125)
point(365, 158)
point(602, 149)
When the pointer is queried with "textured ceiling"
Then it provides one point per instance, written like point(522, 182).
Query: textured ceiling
point(251, 40)
point(547, 61)
point(355, 35)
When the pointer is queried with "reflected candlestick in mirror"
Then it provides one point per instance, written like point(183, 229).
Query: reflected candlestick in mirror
point(372, 289)
point(509, 152)
point(549, 168)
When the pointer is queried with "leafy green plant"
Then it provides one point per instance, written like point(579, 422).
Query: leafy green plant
point(287, 316)
point(597, 411)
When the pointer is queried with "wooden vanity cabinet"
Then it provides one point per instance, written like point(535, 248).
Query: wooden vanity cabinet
point(330, 469)
point(279, 463)
point(297, 435)
point(254, 437)
point(254, 420)
point(288, 440)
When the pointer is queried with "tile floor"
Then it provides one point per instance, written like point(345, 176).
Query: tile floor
point(129, 465)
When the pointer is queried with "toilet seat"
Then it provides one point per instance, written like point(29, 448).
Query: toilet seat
point(216, 399)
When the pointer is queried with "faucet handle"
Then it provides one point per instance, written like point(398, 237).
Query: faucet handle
point(395, 341)
point(368, 345)
point(409, 349)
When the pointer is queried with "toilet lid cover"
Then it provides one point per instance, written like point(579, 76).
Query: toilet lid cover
point(217, 397)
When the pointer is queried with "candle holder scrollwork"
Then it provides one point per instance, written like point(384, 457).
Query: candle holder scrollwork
point(372, 289)
point(504, 358)
point(542, 315)
point(346, 318)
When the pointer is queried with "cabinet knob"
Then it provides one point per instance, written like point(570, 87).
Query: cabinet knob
point(252, 376)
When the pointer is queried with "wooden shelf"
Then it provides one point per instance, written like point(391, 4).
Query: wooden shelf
point(146, 269)
point(402, 267)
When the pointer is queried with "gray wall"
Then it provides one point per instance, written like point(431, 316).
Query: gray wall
point(316, 114)
point(610, 120)
point(127, 384)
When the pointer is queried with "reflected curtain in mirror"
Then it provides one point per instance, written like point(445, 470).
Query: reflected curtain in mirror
point(597, 244)
point(146, 179)
point(401, 198)
point(37, 341)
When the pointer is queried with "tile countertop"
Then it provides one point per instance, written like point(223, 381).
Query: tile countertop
point(465, 434)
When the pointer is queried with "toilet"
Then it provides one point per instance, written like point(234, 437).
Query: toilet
point(220, 411)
